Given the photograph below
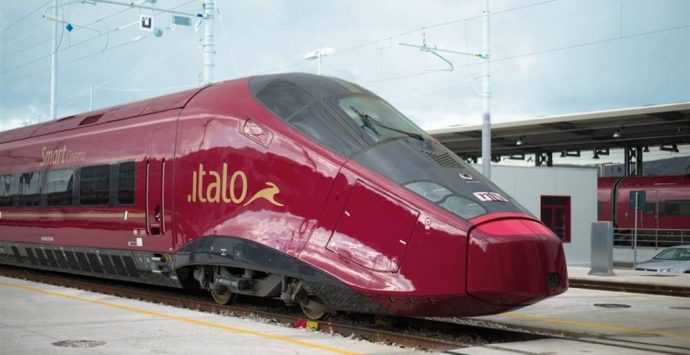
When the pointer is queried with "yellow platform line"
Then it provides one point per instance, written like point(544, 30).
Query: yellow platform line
point(578, 323)
point(184, 319)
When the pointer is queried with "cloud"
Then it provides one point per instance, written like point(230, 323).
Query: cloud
point(543, 62)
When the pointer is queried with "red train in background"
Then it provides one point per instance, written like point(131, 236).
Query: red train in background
point(293, 186)
point(663, 214)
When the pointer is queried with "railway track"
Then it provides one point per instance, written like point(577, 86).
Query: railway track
point(425, 334)
point(664, 290)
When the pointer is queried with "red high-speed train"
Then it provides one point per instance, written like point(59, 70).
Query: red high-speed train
point(296, 186)
point(663, 205)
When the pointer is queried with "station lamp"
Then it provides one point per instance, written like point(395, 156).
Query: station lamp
point(318, 54)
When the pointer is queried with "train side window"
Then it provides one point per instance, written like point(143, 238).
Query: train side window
point(58, 187)
point(94, 185)
point(649, 207)
point(125, 182)
point(30, 189)
point(555, 213)
point(676, 208)
point(8, 188)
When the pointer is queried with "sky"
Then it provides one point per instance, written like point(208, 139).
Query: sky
point(548, 57)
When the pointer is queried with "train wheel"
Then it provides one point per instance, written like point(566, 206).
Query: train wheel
point(222, 297)
point(314, 309)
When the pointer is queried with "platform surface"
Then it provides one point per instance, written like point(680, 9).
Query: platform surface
point(35, 316)
point(612, 322)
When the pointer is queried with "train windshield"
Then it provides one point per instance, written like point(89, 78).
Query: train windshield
point(443, 197)
point(377, 119)
point(354, 122)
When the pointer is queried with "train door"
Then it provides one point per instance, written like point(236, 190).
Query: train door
point(555, 213)
point(649, 213)
point(158, 170)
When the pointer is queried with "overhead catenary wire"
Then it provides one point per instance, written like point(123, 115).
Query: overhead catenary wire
point(113, 47)
point(139, 66)
point(27, 63)
point(297, 63)
point(442, 24)
point(298, 60)
point(160, 88)
point(540, 52)
point(34, 45)
point(87, 91)
point(227, 42)
point(104, 33)
point(619, 36)
point(28, 34)
point(500, 59)
point(15, 52)
point(85, 57)
point(6, 28)
point(434, 89)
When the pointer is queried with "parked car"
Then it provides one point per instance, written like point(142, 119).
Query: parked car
point(673, 259)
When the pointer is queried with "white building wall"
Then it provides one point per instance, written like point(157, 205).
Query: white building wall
point(528, 184)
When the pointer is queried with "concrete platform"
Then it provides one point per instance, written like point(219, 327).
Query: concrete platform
point(645, 324)
point(35, 316)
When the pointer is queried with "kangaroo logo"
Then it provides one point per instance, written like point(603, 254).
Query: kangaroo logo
point(268, 193)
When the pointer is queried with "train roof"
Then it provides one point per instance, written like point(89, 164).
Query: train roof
point(114, 113)
point(318, 86)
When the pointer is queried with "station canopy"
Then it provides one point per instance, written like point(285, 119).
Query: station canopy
point(665, 126)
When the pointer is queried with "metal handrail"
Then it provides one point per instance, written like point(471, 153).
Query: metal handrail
point(656, 236)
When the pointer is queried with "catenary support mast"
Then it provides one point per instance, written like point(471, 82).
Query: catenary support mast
point(53, 64)
point(207, 74)
point(486, 97)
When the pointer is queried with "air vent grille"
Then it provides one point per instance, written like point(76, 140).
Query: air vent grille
point(91, 119)
point(445, 160)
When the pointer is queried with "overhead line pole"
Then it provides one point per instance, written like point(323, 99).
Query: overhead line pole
point(53, 65)
point(208, 50)
point(207, 46)
point(486, 96)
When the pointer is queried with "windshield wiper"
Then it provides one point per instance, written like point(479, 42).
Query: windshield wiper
point(370, 122)
point(366, 120)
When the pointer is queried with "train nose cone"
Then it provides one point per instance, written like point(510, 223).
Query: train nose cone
point(515, 262)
